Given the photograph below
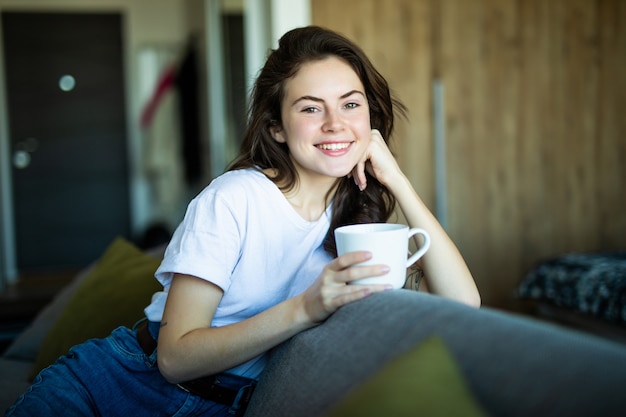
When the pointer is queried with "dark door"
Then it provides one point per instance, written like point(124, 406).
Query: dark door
point(65, 88)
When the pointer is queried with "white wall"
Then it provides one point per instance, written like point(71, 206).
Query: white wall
point(265, 22)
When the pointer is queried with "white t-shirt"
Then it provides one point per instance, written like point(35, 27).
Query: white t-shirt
point(241, 234)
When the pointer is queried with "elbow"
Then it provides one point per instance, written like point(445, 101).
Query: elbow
point(475, 302)
point(469, 295)
point(472, 300)
point(468, 298)
point(168, 368)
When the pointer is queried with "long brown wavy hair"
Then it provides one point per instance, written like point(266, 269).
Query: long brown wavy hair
point(259, 150)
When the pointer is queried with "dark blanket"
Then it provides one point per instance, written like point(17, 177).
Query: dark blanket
point(591, 283)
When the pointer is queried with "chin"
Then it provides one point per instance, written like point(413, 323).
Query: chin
point(339, 173)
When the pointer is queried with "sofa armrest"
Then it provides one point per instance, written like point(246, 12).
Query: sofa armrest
point(26, 345)
point(514, 366)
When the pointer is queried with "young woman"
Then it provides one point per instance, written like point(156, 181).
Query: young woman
point(253, 262)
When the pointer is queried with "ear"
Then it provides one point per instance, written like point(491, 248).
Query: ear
point(276, 131)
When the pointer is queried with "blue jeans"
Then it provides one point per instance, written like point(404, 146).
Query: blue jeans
point(114, 377)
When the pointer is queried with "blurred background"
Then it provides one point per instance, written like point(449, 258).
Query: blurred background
point(114, 113)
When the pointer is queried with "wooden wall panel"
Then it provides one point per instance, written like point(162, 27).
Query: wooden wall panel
point(610, 131)
point(536, 133)
point(480, 72)
point(403, 55)
point(534, 158)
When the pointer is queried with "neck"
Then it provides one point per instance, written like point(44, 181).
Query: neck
point(310, 199)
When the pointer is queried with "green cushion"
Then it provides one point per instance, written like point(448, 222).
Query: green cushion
point(422, 382)
point(115, 292)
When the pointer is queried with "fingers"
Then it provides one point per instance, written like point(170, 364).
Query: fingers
point(358, 172)
point(339, 293)
point(358, 175)
point(330, 291)
point(376, 135)
point(351, 293)
point(346, 268)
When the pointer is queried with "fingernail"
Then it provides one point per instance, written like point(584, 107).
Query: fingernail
point(388, 287)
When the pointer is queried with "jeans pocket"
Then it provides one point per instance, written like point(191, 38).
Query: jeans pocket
point(124, 343)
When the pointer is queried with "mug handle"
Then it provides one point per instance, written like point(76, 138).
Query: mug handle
point(421, 251)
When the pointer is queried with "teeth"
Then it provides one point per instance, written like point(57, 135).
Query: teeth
point(333, 146)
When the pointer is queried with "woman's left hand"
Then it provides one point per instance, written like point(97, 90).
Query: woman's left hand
point(378, 161)
point(444, 268)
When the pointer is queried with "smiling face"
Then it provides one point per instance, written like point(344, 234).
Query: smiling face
point(325, 119)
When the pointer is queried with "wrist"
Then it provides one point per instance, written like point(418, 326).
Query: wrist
point(300, 317)
point(398, 185)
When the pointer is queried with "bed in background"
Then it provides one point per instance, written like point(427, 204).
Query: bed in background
point(581, 290)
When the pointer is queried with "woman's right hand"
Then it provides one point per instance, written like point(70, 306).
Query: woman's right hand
point(331, 290)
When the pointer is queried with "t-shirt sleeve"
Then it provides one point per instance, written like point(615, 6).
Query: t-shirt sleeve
point(207, 244)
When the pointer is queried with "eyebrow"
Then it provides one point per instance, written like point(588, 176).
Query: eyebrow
point(317, 99)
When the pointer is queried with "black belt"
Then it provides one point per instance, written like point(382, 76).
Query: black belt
point(207, 387)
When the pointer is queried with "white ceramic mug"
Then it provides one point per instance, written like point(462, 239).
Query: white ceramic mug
point(389, 245)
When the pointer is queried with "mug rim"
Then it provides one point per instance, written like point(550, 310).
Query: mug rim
point(381, 228)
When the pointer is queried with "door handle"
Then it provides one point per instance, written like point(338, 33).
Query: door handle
point(23, 150)
point(21, 159)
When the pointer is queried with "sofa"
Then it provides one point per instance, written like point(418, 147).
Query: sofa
point(110, 292)
point(398, 353)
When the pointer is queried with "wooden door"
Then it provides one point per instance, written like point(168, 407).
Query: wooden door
point(65, 88)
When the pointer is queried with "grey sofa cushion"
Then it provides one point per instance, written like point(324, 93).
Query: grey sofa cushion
point(514, 366)
point(26, 345)
point(13, 381)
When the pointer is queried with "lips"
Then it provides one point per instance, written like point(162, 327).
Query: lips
point(333, 146)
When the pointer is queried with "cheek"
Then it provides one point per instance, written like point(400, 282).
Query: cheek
point(299, 131)
point(362, 124)
point(364, 132)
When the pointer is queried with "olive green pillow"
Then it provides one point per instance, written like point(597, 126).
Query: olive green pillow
point(118, 288)
point(422, 382)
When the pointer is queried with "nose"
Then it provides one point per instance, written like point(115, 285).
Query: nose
point(333, 121)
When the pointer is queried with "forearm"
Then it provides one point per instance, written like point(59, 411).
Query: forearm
point(444, 268)
point(210, 350)
point(190, 348)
